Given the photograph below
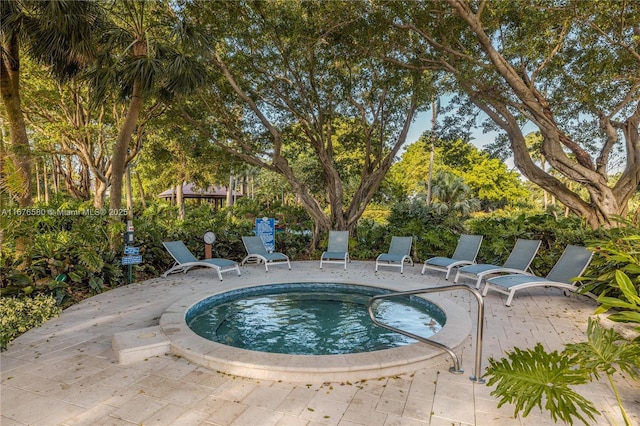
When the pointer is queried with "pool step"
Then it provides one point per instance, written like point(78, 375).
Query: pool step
point(138, 345)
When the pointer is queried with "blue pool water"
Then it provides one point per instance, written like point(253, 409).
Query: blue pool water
point(311, 319)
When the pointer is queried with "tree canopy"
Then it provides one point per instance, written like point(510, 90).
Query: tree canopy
point(56, 34)
point(569, 68)
point(323, 93)
point(488, 178)
point(292, 78)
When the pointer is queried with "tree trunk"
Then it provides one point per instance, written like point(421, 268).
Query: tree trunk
point(129, 195)
point(54, 174)
point(85, 182)
point(141, 191)
point(46, 183)
point(180, 200)
point(38, 193)
point(19, 149)
point(121, 149)
point(100, 193)
point(230, 191)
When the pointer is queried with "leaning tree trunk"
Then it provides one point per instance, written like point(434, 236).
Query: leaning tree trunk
point(19, 149)
point(605, 201)
point(120, 152)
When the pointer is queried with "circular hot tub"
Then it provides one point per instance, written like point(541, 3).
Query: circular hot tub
point(235, 352)
point(311, 319)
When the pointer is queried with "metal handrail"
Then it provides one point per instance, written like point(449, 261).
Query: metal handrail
point(456, 363)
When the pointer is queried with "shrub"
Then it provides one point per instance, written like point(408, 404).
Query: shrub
point(433, 234)
point(620, 251)
point(501, 232)
point(66, 238)
point(19, 314)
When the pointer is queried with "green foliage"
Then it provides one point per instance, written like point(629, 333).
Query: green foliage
point(604, 351)
point(486, 179)
point(19, 314)
point(433, 233)
point(526, 378)
point(627, 305)
point(618, 251)
point(67, 238)
point(378, 213)
point(371, 240)
point(290, 216)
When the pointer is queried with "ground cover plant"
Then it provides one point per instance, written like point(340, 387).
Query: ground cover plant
point(19, 314)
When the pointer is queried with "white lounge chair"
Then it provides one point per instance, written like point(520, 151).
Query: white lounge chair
point(572, 263)
point(399, 253)
point(465, 254)
point(185, 260)
point(257, 251)
point(337, 249)
point(518, 262)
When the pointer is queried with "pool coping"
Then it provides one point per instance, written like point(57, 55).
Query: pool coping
point(300, 368)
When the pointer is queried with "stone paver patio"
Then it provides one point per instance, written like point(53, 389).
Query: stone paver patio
point(65, 372)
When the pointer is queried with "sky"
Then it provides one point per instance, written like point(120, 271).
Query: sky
point(422, 123)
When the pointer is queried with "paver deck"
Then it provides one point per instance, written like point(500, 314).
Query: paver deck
point(65, 372)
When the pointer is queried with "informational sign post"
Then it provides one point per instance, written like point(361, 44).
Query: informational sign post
point(132, 254)
point(266, 230)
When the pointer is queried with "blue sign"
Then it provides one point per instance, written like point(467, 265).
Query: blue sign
point(131, 250)
point(131, 260)
point(266, 230)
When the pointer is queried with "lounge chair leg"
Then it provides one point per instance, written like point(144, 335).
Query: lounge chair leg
point(478, 283)
point(486, 289)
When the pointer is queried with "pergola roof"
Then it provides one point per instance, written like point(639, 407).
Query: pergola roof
point(190, 190)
